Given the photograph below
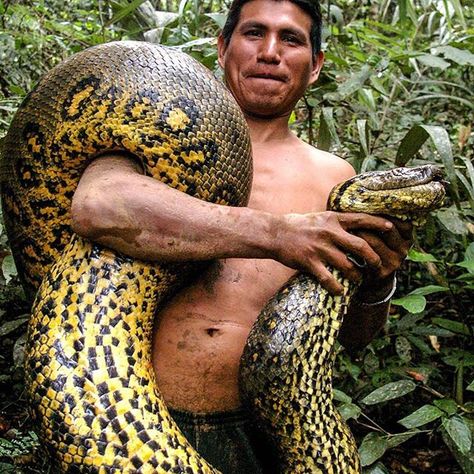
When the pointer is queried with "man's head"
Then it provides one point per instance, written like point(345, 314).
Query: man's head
point(311, 7)
point(268, 54)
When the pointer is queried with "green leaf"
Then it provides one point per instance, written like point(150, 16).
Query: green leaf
point(8, 268)
point(11, 326)
point(420, 344)
point(353, 84)
point(410, 145)
point(403, 348)
point(327, 130)
point(389, 392)
point(460, 358)
point(469, 253)
point(399, 438)
point(414, 139)
point(379, 468)
point(218, 18)
point(459, 432)
point(451, 219)
point(416, 256)
point(459, 56)
point(453, 326)
point(363, 130)
point(412, 303)
point(373, 447)
point(432, 331)
point(470, 386)
point(349, 410)
point(467, 264)
point(433, 61)
point(340, 396)
point(447, 405)
point(422, 416)
point(429, 289)
point(124, 11)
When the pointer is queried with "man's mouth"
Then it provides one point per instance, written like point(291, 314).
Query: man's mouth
point(268, 76)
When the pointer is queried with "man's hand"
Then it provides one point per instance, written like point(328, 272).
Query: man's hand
point(311, 242)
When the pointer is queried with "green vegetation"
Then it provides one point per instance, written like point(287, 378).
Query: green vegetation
point(396, 89)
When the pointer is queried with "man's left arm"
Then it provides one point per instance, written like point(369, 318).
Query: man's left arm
point(368, 311)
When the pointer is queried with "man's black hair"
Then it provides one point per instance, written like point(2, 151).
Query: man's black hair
point(311, 7)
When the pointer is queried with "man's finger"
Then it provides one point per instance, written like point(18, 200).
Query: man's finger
point(326, 279)
point(352, 220)
point(352, 244)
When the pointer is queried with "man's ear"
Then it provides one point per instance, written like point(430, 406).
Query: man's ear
point(318, 62)
point(221, 48)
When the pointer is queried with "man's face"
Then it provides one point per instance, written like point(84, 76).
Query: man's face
point(269, 62)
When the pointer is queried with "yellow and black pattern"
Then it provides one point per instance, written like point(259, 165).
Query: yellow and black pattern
point(90, 379)
point(286, 368)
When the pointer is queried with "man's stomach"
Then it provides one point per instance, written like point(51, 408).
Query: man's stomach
point(200, 335)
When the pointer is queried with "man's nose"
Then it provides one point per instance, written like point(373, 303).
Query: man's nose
point(270, 50)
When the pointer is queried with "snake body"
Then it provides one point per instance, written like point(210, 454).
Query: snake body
point(286, 368)
point(89, 376)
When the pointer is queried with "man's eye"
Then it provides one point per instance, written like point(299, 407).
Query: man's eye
point(291, 39)
point(253, 33)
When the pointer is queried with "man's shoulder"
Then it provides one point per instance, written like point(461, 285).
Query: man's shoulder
point(334, 167)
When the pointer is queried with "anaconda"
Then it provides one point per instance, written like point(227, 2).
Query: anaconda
point(90, 381)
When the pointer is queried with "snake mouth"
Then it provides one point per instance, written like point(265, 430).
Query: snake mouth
point(404, 192)
point(400, 178)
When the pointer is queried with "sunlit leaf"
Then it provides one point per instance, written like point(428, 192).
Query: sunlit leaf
point(460, 56)
point(433, 61)
point(399, 438)
point(349, 410)
point(416, 256)
point(389, 392)
point(373, 447)
point(459, 432)
point(124, 11)
point(422, 416)
point(8, 268)
point(412, 303)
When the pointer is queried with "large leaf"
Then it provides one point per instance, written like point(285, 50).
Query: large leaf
point(412, 303)
point(373, 447)
point(459, 432)
point(125, 10)
point(422, 416)
point(399, 438)
point(327, 130)
point(459, 56)
point(416, 137)
point(453, 326)
point(416, 256)
point(452, 220)
point(8, 268)
point(389, 391)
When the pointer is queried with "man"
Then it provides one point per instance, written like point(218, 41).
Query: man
point(269, 51)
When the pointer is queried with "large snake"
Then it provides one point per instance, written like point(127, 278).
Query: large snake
point(89, 375)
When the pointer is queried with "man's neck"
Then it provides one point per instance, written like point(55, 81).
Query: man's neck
point(265, 130)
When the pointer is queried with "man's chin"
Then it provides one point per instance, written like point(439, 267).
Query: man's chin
point(266, 111)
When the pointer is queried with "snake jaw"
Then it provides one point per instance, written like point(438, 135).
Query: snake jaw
point(392, 192)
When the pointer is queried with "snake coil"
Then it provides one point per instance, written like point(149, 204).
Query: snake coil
point(89, 374)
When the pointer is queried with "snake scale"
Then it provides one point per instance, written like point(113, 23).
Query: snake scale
point(89, 376)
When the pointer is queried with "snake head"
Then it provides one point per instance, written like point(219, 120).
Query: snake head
point(403, 193)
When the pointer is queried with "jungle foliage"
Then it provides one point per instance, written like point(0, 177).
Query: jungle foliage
point(396, 89)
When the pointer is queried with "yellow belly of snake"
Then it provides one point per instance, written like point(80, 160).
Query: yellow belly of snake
point(89, 375)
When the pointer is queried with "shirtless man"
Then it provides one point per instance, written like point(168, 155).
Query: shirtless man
point(270, 53)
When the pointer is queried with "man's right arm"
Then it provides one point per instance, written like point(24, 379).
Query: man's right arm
point(119, 207)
